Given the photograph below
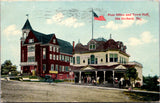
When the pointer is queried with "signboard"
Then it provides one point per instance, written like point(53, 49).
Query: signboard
point(55, 72)
point(87, 73)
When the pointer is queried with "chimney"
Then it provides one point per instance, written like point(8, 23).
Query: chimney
point(73, 46)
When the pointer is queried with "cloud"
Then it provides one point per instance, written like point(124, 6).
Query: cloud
point(11, 30)
point(59, 19)
point(141, 21)
point(125, 23)
point(144, 37)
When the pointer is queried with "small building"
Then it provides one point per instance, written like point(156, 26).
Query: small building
point(44, 54)
point(103, 61)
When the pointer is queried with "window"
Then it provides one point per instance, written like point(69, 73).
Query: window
point(92, 46)
point(78, 59)
point(62, 68)
point(83, 61)
point(52, 67)
point(101, 60)
point(44, 67)
point(54, 49)
point(113, 57)
point(57, 50)
point(66, 68)
point(54, 40)
point(44, 53)
point(96, 61)
point(57, 57)
point(56, 67)
point(54, 57)
point(62, 57)
point(31, 40)
point(89, 61)
point(120, 60)
point(92, 59)
point(50, 48)
point(31, 48)
point(66, 58)
point(50, 56)
point(124, 60)
point(73, 60)
point(31, 59)
point(106, 57)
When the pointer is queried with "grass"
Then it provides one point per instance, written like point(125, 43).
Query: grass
point(143, 96)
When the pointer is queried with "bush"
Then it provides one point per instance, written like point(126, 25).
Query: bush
point(57, 80)
point(150, 83)
point(33, 77)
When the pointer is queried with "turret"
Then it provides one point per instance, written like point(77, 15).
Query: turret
point(26, 29)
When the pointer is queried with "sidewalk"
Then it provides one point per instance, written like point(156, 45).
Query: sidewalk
point(100, 87)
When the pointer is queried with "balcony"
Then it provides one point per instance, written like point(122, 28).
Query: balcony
point(28, 63)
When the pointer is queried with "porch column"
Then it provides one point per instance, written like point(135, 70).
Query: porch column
point(113, 76)
point(80, 77)
point(104, 76)
point(96, 75)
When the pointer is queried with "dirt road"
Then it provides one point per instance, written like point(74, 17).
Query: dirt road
point(16, 91)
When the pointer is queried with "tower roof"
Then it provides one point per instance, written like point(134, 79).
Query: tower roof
point(27, 25)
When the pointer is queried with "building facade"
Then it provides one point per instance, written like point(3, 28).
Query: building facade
point(103, 61)
point(43, 54)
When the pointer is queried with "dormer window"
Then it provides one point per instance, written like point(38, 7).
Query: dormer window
point(31, 40)
point(92, 46)
point(54, 40)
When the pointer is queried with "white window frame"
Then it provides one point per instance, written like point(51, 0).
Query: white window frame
point(31, 40)
point(57, 57)
point(44, 53)
point(50, 56)
point(62, 68)
point(54, 40)
point(54, 56)
point(57, 50)
point(54, 49)
point(50, 48)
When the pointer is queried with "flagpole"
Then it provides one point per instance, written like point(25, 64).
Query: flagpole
point(92, 23)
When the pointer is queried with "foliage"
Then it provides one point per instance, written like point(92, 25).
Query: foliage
point(7, 67)
point(132, 74)
point(33, 77)
point(150, 83)
point(143, 96)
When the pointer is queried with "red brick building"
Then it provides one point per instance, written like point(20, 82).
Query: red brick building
point(44, 54)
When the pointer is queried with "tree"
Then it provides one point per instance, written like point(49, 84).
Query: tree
point(7, 67)
point(132, 74)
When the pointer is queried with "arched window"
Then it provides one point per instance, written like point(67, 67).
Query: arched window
point(92, 59)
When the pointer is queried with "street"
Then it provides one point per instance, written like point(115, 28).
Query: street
point(17, 91)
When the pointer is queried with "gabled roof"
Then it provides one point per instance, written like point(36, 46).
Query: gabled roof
point(65, 47)
point(102, 45)
point(43, 38)
point(27, 25)
point(103, 67)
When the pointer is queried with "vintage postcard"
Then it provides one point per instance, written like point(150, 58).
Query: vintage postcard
point(79, 51)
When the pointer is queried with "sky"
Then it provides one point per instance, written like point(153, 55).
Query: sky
point(72, 21)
